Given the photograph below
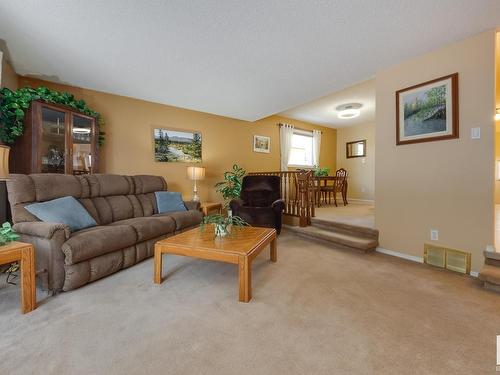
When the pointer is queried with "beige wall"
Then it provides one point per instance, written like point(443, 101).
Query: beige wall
point(497, 158)
point(444, 185)
point(129, 146)
point(8, 77)
point(497, 71)
point(361, 170)
point(497, 124)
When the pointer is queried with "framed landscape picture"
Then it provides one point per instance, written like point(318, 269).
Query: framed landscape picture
point(261, 143)
point(428, 111)
point(177, 146)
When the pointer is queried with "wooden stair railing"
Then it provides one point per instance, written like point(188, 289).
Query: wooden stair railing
point(297, 190)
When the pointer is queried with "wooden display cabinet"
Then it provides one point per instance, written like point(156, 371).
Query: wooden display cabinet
point(56, 139)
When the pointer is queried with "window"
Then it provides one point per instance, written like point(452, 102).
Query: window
point(301, 152)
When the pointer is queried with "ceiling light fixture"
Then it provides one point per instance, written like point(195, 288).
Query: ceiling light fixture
point(350, 110)
point(497, 115)
point(81, 130)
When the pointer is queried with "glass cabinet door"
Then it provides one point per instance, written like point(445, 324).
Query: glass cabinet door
point(53, 141)
point(82, 144)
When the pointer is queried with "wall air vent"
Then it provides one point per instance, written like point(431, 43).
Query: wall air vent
point(450, 259)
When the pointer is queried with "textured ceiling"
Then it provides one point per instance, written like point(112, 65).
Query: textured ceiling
point(243, 59)
point(322, 111)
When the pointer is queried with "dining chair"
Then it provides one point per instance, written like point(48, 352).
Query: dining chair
point(339, 186)
point(316, 191)
point(326, 190)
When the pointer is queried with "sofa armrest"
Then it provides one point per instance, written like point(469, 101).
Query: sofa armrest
point(47, 238)
point(41, 229)
point(235, 204)
point(278, 204)
point(192, 205)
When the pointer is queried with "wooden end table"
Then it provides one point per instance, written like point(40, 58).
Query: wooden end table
point(240, 247)
point(23, 253)
point(207, 207)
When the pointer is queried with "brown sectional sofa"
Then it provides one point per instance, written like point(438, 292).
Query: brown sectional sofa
point(124, 208)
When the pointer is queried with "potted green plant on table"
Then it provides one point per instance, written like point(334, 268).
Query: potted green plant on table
point(230, 188)
point(8, 235)
point(320, 172)
point(222, 224)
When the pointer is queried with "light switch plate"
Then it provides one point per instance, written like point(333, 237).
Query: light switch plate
point(434, 234)
point(475, 133)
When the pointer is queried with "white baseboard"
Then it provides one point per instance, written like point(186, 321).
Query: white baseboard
point(413, 258)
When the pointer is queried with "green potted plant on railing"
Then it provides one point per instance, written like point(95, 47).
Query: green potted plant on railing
point(222, 224)
point(230, 188)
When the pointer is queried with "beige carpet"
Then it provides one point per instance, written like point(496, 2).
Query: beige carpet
point(360, 214)
point(317, 311)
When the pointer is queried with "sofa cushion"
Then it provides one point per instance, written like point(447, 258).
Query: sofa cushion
point(50, 186)
point(103, 210)
point(169, 201)
point(66, 210)
point(136, 205)
point(104, 185)
point(92, 242)
point(147, 204)
point(147, 228)
point(184, 219)
point(21, 189)
point(88, 204)
point(121, 207)
point(148, 184)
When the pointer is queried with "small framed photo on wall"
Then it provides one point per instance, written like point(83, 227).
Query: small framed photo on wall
point(261, 144)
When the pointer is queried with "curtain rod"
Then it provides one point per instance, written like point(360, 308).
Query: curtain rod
point(304, 130)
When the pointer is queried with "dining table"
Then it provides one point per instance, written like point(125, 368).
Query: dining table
point(322, 181)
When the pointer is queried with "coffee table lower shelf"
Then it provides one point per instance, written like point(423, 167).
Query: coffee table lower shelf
point(240, 248)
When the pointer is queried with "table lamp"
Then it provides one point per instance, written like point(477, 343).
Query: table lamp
point(4, 174)
point(196, 174)
point(4, 162)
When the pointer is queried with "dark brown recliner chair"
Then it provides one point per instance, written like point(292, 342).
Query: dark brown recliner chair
point(260, 204)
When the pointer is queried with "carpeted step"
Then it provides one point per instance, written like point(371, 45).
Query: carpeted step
point(341, 238)
point(350, 229)
point(491, 276)
point(490, 273)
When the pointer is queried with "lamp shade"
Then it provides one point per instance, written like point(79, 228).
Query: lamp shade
point(196, 173)
point(4, 162)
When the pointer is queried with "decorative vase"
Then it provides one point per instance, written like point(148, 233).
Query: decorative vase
point(220, 230)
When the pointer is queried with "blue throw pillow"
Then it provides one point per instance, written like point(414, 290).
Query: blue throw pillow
point(169, 201)
point(66, 210)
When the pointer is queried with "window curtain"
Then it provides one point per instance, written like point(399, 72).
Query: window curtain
point(316, 146)
point(286, 134)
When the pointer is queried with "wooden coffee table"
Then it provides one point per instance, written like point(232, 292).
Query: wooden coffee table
point(240, 247)
point(23, 253)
